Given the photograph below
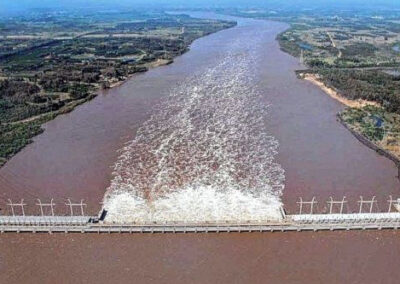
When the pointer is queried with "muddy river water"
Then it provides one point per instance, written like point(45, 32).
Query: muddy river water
point(305, 152)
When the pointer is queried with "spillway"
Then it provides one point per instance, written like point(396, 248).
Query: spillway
point(205, 154)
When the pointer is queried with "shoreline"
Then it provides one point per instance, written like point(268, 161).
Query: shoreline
point(49, 116)
point(364, 140)
point(314, 79)
point(151, 65)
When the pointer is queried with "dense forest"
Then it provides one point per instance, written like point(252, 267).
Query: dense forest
point(372, 85)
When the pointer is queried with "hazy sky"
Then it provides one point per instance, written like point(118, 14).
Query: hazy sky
point(9, 6)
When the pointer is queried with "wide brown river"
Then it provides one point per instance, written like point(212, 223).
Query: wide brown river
point(227, 125)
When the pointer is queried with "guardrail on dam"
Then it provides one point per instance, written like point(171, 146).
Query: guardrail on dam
point(296, 222)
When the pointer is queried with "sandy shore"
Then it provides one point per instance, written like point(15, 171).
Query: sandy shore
point(336, 95)
point(391, 152)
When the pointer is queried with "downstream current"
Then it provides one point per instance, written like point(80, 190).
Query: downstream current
point(225, 133)
point(205, 154)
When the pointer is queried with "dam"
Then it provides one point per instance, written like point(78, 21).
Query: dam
point(335, 219)
point(299, 223)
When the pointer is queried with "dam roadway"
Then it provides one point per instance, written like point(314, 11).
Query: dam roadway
point(304, 222)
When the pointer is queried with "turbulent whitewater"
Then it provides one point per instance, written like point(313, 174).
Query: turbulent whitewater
point(205, 154)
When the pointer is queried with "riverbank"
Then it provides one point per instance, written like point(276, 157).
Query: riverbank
point(384, 139)
point(376, 128)
point(361, 76)
point(368, 142)
point(154, 64)
point(316, 80)
point(33, 96)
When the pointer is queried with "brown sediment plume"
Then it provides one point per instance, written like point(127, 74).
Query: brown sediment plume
point(277, 257)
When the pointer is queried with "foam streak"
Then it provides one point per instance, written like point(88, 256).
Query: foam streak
point(204, 155)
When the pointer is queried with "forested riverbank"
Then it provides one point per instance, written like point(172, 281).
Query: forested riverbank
point(354, 57)
point(50, 63)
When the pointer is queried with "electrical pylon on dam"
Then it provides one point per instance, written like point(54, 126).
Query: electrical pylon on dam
point(304, 220)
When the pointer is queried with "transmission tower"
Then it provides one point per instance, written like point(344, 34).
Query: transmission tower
point(367, 202)
point(71, 206)
point(44, 205)
point(311, 203)
point(392, 202)
point(331, 202)
point(18, 205)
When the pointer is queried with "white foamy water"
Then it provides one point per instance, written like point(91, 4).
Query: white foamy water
point(204, 155)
